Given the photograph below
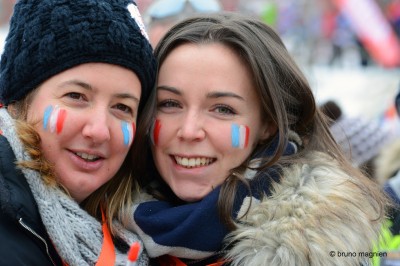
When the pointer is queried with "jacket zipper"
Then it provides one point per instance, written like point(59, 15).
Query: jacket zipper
point(37, 236)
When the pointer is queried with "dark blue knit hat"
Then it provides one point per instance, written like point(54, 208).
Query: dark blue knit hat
point(47, 37)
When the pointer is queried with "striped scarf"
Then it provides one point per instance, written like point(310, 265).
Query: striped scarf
point(194, 230)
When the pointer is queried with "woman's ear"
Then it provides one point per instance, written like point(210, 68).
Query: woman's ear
point(267, 131)
point(12, 110)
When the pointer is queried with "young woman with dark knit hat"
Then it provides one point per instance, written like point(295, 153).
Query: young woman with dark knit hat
point(248, 173)
point(73, 78)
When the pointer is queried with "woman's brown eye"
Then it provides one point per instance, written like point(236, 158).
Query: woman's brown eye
point(75, 95)
point(124, 108)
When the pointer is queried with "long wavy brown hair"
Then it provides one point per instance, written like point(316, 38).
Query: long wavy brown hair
point(286, 100)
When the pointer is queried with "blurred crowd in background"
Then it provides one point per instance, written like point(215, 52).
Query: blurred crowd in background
point(317, 32)
point(350, 51)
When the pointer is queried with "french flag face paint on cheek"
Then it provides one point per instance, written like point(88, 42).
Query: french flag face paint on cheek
point(155, 131)
point(46, 116)
point(240, 136)
point(53, 119)
point(128, 131)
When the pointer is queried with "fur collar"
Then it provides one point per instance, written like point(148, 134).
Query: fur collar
point(316, 209)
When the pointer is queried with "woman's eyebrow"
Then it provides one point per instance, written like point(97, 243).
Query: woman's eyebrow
point(126, 96)
point(76, 82)
point(216, 94)
point(170, 89)
point(221, 94)
point(89, 87)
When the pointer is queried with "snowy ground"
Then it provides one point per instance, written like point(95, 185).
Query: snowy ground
point(359, 91)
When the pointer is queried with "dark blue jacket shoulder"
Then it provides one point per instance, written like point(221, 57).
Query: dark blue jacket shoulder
point(24, 240)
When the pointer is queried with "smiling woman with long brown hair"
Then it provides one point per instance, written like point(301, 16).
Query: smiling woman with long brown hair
point(247, 171)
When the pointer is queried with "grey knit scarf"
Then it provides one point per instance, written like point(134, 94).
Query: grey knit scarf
point(76, 235)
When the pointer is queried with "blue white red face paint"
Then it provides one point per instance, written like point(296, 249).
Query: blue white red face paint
point(53, 119)
point(155, 132)
point(128, 131)
point(240, 136)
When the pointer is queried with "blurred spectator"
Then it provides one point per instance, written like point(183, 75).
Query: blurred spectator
point(388, 172)
point(342, 39)
point(267, 10)
point(161, 15)
point(230, 5)
point(388, 161)
point(143, 5)
point(6, 8)
point(360, 139)
point(365, 58)
point(393, 15)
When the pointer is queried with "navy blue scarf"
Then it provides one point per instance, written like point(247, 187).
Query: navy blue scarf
point(194, 230)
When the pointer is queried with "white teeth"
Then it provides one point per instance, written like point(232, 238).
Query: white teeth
point(193, 162)
point(87, 157)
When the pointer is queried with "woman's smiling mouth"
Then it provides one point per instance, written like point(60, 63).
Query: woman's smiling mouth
point(87, 157)
point(192, 162)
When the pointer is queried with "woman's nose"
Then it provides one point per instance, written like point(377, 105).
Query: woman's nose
point(97, 127)
point(191, 127)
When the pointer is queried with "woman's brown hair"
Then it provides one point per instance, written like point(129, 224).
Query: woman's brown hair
point(287, 101)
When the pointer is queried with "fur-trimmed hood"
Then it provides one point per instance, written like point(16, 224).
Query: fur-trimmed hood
point(314, 213)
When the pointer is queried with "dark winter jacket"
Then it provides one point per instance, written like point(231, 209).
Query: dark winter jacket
point(23, 238)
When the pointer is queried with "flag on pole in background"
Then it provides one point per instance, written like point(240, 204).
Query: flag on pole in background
point(373, 29)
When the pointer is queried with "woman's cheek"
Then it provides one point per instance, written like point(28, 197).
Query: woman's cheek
point(239, 136)
point(128, 132)
point(235, 136)
point(53, 119)
point(231, 137)
point(155, 132)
